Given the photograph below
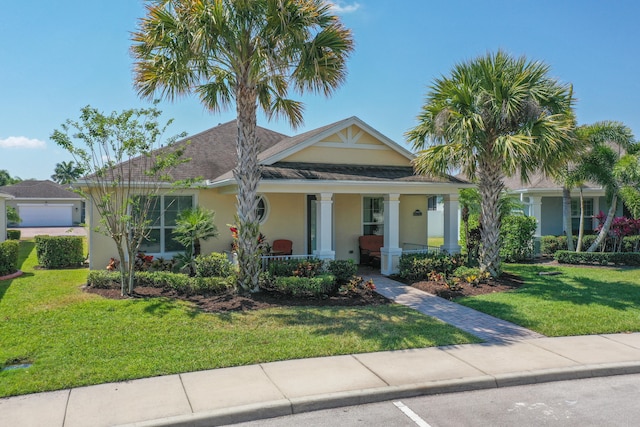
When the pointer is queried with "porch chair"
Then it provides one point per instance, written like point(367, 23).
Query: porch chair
point(370, 248)
point(282, 247)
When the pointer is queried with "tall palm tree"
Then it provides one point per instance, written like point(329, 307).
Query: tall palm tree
point(494, 115)
point(250, 52)
point(67, 172)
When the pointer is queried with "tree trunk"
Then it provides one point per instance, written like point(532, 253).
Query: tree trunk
point(605, 227)
point(247, 175)
point(490, 187)
point(581, 226)
point(566, 216)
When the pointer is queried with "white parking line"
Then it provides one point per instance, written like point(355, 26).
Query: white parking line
point(412, 415)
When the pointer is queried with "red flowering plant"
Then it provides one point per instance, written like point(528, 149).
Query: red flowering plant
point(620, 228)
point(263, 245)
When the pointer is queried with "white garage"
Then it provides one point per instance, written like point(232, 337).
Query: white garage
point(45, 215)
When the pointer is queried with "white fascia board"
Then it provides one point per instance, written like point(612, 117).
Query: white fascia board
point(6, 196)
point(357, 187)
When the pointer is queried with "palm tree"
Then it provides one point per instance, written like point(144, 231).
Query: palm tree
point(493, 116)
point(67, 172)
point(193, 225)
point(249, 51)
point(608, 141)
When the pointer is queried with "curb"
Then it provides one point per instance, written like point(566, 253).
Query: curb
point(300, 405)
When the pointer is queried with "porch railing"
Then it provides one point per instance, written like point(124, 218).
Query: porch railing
point(416, 248)
point(269, 259)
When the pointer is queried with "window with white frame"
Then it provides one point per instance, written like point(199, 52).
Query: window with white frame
point(575, 215)
point(373, 215)
point(163, 212)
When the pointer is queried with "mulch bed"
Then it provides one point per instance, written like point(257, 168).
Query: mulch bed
point(505, 282)
point(260, 300)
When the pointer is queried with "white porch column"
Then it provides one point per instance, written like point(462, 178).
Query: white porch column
point(390, 252)
point(451, 207)
point(324, 238)
point(535, 210)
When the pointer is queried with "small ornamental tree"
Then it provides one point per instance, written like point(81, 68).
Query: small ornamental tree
point(120, 152)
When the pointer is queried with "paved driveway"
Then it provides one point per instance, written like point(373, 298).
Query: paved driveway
point(30, 232)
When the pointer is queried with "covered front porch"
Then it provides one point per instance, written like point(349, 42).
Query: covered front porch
point(328, 225)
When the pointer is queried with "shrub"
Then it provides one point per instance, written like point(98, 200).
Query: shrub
point(602, 258)
point(517, 233)
point(471, 275)
point(549, 245)
point(295, 267)
point(178, 282)
point(421, 266)
point(213, 265)
point(343, 270)
point(14, 234)
point(9, 257)
point(103, 279)
point(211, 285)
point(59, 251)
point(304, 286)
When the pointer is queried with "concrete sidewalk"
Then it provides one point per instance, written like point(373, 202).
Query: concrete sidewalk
point(231, 395)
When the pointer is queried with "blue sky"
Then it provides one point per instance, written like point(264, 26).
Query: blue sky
point(58, 56)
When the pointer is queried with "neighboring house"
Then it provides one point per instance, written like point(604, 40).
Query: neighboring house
point(321, 190)
point(3, 216)
point(542, 199)
point(45, 204)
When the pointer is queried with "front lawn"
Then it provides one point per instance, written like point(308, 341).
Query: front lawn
point(75, 338)
point(578, 301)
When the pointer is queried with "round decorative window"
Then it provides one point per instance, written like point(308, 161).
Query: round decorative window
point(262, 210)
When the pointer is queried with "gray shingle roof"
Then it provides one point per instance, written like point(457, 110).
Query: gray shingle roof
point(32, 189)
point(212, 153)
point(339, 172)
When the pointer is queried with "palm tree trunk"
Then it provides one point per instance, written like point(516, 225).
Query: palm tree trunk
point(605, 227)
point(490, 187)
point(566, 216)
point(581, 226)
point(247, 175)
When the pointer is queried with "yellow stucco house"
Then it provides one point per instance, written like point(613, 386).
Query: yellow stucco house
point(321, 189)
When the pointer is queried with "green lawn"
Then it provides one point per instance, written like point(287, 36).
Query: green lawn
point(579, 301)
point(74, 338)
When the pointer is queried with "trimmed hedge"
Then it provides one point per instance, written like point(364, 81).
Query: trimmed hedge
point(420, 266)
point(295, 267)
point(178, 282)
point(602, 258)
point(14, 234)
point(59, 251)
point(9, 257)
point(305, 286)
point(213, 265)
point(343, 270)
point(517, 233)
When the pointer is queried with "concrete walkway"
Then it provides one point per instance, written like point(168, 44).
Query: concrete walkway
point(483, 326)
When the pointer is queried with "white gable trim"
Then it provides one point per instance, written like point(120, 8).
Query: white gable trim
point(348, 141)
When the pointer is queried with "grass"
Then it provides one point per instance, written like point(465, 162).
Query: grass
point(435, 241)
point(75, 338)
point(579, 301)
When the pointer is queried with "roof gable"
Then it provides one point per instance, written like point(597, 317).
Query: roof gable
point(348, 141)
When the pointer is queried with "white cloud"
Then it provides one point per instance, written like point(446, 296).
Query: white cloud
point(21, 142)
point(345, 8)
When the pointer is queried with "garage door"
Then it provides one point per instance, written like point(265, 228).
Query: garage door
point(45, 215)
